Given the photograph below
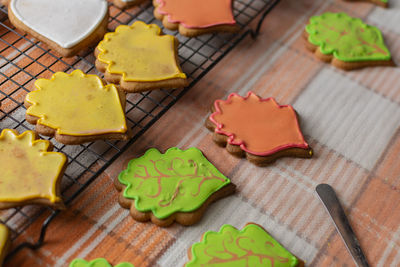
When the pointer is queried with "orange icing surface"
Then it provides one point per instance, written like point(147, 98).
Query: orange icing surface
point(197, 14)
point(260, 126)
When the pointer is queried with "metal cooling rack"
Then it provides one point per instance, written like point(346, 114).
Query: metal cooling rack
point(23, 60)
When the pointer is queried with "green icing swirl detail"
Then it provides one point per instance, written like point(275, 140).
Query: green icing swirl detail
point(251, 246)
point(347, 38)
point(100, 262)
point(177, 181)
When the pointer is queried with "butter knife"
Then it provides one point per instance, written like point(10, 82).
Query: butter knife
point(335, 210)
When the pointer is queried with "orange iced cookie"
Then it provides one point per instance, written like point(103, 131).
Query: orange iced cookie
point(257, 128)
point(382, 3)
point(193, 17)
point(140, 58)
point(77, 108)
point(30, 173)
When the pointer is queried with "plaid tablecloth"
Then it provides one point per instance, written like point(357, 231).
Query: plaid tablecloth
point(351, 119)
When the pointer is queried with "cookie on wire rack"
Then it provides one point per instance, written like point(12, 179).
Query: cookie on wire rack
point(192, 17)
point(77, 108)
point(5, 242)
point(67, 26)
point(30, 172)
point(139, 58)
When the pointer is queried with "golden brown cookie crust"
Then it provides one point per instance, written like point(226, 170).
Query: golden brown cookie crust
point(344, 65)
point(191, 32)
point(183, 218)
point(122, 4)
point(91, 40)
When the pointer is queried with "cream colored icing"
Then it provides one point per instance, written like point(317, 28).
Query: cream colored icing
point(65, 22)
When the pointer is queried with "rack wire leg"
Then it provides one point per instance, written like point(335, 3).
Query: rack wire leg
point(39, 242)
point(255, 33)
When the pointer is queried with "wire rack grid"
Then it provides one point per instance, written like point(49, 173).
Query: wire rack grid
point(23, 60)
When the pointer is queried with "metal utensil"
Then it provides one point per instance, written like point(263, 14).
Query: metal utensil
point(335, 210)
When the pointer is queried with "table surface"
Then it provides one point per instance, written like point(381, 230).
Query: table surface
point(351, 120)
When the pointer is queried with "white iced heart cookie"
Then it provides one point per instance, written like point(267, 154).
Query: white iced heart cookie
point(65, 25)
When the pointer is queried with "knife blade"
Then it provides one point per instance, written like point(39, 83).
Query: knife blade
point(335, 210)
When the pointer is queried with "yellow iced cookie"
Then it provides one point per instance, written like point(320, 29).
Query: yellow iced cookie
point(76, 108)
point(140, 58)
point(4, 242)
point(30, 174)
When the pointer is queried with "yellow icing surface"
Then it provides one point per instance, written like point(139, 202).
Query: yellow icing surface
point(77, 104)
point(4, 235)
point(28, 170)
point(139, 53)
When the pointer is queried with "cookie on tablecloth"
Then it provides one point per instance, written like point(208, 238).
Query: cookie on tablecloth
point(346, 42)
point(4, 242)
point(251, 246)
point(127, 3)
point(382, 3)
point(67, 26)
point(193, 17)
point(30, 173)
point(259, 129)
point(140, 58)
point(176, 186)
point(100, 262)
point(77, 108)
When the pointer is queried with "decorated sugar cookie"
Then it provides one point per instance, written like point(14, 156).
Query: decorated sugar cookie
point(127, 3)
point(30, 173)
point(139, 57)
point(383, 3)
point(67, 26)
point(77, 108)
point(100, 262)
point(193, 17)
point(251, 246)
point(175, 186)
point(348, 43)
point(259, 129)
point(4, 242)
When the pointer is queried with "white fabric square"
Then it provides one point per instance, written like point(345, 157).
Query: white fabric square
point(233, 210)
point(347, 117)
point(388, 18)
